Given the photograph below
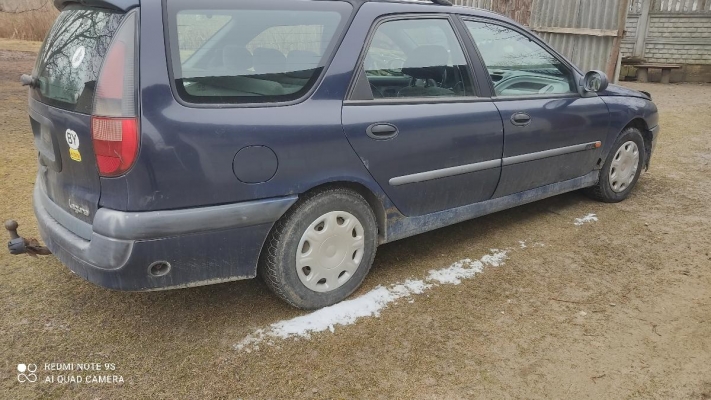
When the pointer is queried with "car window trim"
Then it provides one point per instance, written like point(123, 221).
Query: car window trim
point(575, 72)
point(359, 72)
point(176, 95)
point(477, 62)
point(416, 100)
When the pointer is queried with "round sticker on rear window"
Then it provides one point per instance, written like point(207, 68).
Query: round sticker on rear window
point(78, 56)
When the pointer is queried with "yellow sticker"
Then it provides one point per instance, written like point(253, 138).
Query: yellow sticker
point(75, 155)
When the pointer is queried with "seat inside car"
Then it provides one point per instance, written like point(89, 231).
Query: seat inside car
point(236, 60)
point(269, 61)
point(428, 64)
point(237, 64)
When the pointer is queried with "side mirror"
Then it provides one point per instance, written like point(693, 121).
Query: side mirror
point(595, 81)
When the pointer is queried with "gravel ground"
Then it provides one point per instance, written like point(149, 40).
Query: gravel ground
point(614, 308)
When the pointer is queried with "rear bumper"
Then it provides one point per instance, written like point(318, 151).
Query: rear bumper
point(202, 245)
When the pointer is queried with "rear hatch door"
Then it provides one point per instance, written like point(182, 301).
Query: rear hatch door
point(61, 104)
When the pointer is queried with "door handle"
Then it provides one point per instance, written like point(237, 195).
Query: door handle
point(520, 119)
point(382, 131)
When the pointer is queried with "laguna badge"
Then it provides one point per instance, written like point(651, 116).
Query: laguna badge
point(78, 209)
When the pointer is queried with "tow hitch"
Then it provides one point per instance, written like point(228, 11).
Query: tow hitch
point(19, 245)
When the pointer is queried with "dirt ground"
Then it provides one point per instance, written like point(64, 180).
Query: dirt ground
point(618, 308)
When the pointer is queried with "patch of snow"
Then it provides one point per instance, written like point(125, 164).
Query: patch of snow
point(496, 258)
point(585, 219)
point(370, 304)
point(522, 244)
point(453, 275)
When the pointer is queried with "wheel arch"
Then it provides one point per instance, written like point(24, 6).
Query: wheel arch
point(637, 122)
point(641, 125)
point(375, 202)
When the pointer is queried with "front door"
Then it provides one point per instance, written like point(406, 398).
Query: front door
point(551, 132)
point(415, 121)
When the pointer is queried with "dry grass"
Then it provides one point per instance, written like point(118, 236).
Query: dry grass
point(20, 45)
point(26, 19)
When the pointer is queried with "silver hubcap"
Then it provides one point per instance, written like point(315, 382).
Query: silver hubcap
point(330, 251)
point(624, 167)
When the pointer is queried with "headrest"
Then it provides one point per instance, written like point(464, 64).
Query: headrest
point(269, 61)
point(427, 62)
point(236, 58)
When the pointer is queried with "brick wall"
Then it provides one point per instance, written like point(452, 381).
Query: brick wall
point(672, 38)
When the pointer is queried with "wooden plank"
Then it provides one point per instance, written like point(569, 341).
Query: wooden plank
point(642, 29)
point(612, 63)
point(658, 66)
point(577, 31)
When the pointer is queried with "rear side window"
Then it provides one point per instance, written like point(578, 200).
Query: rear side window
point(251, 51)
point(70, 59)
point(417, 58)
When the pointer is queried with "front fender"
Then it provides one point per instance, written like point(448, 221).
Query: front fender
point(630, 110)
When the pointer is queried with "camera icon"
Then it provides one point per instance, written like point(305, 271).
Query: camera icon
point(27, 373)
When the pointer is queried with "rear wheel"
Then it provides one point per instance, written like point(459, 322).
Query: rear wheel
point(622, 168)
point(321, 250)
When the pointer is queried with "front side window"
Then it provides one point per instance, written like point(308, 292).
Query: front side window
point(416, 58)
point(249, 51)
point(517, 65)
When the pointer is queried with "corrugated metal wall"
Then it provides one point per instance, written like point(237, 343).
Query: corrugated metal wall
point(586, 51)
point(485, 4)
point(596, 21)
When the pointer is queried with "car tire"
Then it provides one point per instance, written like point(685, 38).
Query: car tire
point(300, 263)
point(622, 169)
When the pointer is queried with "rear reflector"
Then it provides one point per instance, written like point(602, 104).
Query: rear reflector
point(114, 124)
point(115, 144)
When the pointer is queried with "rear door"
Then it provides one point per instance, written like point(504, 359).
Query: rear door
point(551, 132)
point(415, 120)
point(60, 106)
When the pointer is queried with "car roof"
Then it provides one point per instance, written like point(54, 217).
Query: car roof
point(428, 5)
point(119, 5)
point(433, 6)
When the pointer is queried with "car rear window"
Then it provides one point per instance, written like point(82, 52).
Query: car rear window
point(251, 51)
point(70, 59)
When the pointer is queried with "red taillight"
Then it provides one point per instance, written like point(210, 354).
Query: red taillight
point(115, 144)
point(114, 125)
point(113, 74)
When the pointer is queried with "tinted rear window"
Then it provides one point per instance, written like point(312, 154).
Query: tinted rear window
point(251, 51)
point(68, 64)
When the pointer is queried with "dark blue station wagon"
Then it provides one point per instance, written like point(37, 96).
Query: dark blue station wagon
point(186, 143)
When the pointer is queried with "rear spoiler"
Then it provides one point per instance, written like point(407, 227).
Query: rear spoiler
point(116, 5)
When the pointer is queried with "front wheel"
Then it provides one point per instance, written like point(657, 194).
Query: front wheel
point(321, 250)
point(622, 169)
